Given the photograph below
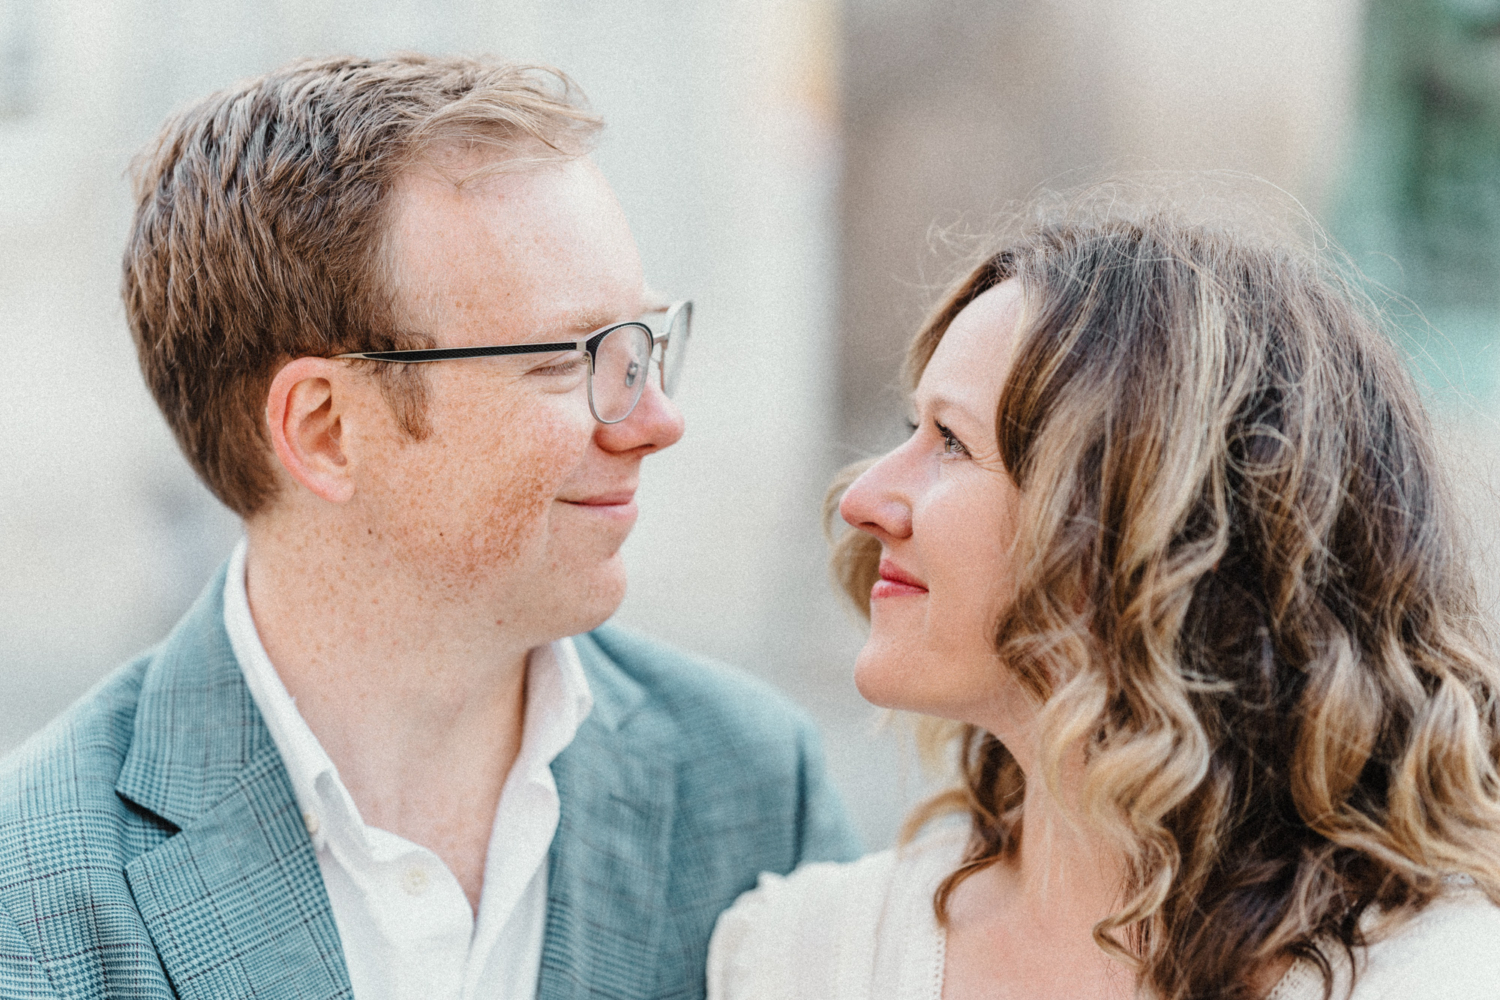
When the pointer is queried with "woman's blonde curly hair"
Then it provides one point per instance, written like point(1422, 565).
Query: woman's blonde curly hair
point(1238, 587)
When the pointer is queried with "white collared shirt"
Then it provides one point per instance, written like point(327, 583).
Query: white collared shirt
point(405, 923)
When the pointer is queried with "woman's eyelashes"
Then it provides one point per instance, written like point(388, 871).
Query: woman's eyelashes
point(951, 444)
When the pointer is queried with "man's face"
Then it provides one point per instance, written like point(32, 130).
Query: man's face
point(518, 500)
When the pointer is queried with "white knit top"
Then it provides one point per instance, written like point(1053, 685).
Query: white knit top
point(839, 931)
point(866, 931)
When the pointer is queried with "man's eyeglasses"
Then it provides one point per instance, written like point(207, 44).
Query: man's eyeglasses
point(619, 358)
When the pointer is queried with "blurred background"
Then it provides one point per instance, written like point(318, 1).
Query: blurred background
point(789, 164)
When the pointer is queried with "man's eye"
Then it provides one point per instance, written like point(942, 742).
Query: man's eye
point(570, 364)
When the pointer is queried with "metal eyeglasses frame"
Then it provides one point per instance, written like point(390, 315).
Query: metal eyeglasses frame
point(589, 345)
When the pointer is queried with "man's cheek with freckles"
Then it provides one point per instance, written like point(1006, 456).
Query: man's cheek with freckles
point(525, 483)
point(472, 497)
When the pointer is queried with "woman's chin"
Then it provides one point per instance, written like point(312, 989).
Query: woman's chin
point(889, 675)
point(884, 678)
point(870, 690)
point(869, 674)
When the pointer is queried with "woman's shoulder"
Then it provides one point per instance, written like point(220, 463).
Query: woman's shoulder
point(1449, 950)
point(816, 892)
point(819, 931)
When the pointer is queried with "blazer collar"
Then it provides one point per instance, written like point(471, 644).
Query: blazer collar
point(196, 726)
point(608, 868)
point(234, 902)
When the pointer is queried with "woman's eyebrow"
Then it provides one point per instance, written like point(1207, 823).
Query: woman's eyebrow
point(939, 403)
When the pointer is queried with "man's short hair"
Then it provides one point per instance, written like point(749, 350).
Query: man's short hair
point(260, 231)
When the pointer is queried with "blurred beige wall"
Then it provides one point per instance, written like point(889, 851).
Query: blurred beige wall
point(954, 108)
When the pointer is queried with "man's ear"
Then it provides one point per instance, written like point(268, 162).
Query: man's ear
point(305, 412)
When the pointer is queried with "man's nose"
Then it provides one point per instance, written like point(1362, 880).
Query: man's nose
point(654, 424)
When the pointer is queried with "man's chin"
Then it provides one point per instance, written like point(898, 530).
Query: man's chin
point(601, 598)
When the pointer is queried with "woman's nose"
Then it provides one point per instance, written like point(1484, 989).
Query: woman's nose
point(875, 503)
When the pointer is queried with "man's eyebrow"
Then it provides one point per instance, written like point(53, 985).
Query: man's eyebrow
point(588, 320)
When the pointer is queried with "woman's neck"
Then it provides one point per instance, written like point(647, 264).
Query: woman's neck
point(1060, 860)
point(1024, 927)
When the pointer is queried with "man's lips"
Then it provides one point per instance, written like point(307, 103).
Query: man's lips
point(895, 582)
point(615, 499)
point(615, 505)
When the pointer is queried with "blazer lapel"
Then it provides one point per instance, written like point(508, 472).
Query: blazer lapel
point(608, 870)
point(234, 902)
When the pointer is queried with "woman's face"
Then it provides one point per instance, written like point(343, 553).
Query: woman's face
point(944, 509)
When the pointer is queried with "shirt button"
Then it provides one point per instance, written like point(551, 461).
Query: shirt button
point(310, 820)
point(414, 881)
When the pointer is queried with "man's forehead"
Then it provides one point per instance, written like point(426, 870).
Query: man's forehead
point(556, 207)
point(539, 253)
point(587, 318)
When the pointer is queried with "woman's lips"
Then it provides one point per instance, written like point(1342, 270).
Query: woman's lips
point(895, 582)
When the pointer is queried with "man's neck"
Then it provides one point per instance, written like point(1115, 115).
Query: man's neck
point(418, 702)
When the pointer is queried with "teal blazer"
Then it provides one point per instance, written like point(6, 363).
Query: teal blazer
point(151, 845)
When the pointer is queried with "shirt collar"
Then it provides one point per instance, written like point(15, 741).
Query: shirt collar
point(558, 700)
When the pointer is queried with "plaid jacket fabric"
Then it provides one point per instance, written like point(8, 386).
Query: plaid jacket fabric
point(151, 846)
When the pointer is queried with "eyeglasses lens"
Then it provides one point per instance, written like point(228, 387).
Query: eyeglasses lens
point(621, 363)
point(675, 348)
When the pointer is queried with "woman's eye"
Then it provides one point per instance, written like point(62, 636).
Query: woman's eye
point(951, 444)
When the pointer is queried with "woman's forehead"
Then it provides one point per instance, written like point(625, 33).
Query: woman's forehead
point(973, 358)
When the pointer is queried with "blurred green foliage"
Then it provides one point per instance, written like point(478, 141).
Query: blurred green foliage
point(1420, 206)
